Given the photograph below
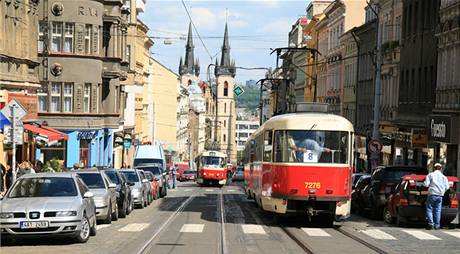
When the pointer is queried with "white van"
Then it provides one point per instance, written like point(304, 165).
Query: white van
point(152, 158)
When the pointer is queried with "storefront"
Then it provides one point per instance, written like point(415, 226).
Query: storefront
point(444, 137)
point(90, 148)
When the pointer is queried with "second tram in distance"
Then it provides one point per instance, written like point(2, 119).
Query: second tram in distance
point(301, 163)
point(211, 168)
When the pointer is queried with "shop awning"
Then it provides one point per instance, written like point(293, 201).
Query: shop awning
point(47, 132)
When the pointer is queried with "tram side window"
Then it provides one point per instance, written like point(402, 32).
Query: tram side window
point(268, 146)
point(259, 147)
point(252, 150)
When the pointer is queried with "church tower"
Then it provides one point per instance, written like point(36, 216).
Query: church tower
point(225, 72)
point(189, 69)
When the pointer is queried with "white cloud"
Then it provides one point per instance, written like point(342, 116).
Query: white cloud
point(204, 18)
point(276, 27)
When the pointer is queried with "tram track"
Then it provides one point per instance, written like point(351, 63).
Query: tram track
point(360, 240)
point(221, 246)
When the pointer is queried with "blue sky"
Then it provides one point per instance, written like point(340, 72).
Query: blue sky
point(255, 26)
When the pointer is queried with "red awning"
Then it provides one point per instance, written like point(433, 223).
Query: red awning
point(50, 133)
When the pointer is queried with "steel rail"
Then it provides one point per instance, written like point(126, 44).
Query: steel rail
point(301, 244)
point(222, 247)
point(361, 241)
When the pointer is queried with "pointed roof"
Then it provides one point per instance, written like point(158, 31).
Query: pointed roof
point(189, 65)
point(226, 65)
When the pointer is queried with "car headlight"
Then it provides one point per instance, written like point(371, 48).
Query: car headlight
point(6, 215)
point(66, 213)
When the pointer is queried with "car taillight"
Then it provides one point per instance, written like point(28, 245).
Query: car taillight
point(412, 183)
point(403, 202)
point(454, 202)
point(451, 184)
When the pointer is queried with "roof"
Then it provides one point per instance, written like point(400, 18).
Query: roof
point(49, 174)
point(422, 178)
point(216, 153)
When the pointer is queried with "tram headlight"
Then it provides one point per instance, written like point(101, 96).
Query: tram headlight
point(204, 173)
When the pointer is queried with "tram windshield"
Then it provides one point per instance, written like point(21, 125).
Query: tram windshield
point(307, 146)
point(212, 161)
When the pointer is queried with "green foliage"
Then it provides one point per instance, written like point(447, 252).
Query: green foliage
point(54, 164)
point(249, 99)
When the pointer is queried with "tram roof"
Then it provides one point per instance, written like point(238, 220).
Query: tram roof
point(306, 121)
point(213, 153)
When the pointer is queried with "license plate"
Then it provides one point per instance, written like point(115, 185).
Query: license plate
point(33, 224)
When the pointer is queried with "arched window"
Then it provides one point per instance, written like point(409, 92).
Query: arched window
point(225, 88)
point(225, 107)
point(225, 123)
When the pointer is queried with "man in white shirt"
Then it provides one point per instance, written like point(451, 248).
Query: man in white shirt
point(437, 185)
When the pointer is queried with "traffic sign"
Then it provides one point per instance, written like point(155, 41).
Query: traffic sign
point(238, 90)
point(19, 110)
point(375, 146)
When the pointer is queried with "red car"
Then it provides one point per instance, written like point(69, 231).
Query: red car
point(407, 202)
point(187, 175)
point(155, 185)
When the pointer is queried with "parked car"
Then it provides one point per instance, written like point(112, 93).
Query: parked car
point(407, 201)
point(138, 190)
point(124, 199)
point(355, 177)
point(105, 196)
point(155, 186)
point(357, 197)
point(187, 175)
point(53, 204)
point(383, 181)
point(160, 175)
point(147, 184)
point(238, 175)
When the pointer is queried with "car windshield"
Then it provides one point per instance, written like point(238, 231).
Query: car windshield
point(93, 181)
point(356, 179)
point(308, 146)
point(44, 187)
point(190, 172)
point(113, 177)
point(153, 170)
point(144, 162)
point(131, 176)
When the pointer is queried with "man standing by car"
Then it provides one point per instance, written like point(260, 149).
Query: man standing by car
point(437, 185)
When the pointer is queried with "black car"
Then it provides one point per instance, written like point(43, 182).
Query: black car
point(383, 181)
point(357, 198)
point(124, 199)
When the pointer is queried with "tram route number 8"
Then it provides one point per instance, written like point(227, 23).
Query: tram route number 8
point(312, 185)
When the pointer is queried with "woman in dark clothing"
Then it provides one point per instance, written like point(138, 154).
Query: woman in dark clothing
point(8, 178)
point(2, 177)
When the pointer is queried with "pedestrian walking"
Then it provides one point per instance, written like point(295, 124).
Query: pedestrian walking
point(8, 177)
point(437, 185)
point(168, 185)
point(174, 176)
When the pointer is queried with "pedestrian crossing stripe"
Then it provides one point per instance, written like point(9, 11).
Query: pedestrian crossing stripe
point(315, 232)
point(454, 234)
point(134, 227)
point(378, 234)
point(253, 229)
point(209, 190)
point(421, 235)
point(192, 228)
point(187, 190)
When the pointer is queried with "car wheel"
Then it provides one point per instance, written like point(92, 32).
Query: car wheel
point(131, 207)
point(92, 230)
point(83, 234)
point(108, 220)
point(142, 205)
point(387, 217)
point(115, 213)
point(122, 211)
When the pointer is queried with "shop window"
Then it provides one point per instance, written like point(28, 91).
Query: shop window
point(68, 94)
point(87, 98)
point(88, 33)
point(55, 97)
point(68, 37)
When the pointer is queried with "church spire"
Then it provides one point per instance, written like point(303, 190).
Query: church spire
point(189, 65)
point(226, 65)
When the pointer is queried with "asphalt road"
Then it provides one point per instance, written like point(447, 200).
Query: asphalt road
point(221, 220)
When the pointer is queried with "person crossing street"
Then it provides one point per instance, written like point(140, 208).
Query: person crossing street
point(437, 185)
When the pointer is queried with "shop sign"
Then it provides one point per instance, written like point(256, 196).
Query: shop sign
point(419, 138)
point(442, 128)
point(127, 144)
point(86, 135)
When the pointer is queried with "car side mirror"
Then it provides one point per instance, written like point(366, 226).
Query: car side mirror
point(88, 194)
point(145, 181)
point(112, 186)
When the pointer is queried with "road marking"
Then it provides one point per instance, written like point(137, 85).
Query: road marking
point(192, 228)
point(102, 226)
point(231, 190)
point(209, 190)
point(421, 235)
point(188, 190)
point(134, 227)
point(253, 229)
point(454, 234)
point(378, 234)
point(315, 232)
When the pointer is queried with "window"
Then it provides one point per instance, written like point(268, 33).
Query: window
point(225, 138)
point(254, 127)
point(225, 123)
point(56, 37)
point(128, 54)
point(87, 98)
point(243, 135)
point(42, 94)
point(225, 107)
point(398, 28)
point(55, 97)
point(68, 38)
point(40, 37)
point(88, 33)
point(243, 127)
point(225, 88)
point(311, 146)
point(268, 146)
point(68, 93)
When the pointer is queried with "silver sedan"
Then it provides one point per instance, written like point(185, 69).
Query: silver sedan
point(56, 204)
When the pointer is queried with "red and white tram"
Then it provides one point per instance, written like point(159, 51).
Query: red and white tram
point(301, 163)
point(211, 168)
